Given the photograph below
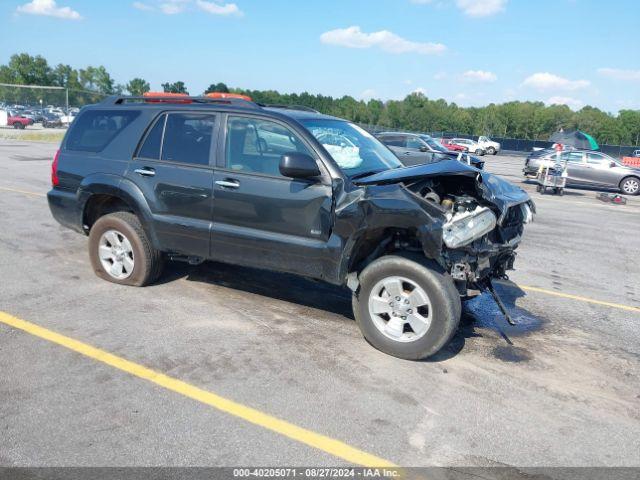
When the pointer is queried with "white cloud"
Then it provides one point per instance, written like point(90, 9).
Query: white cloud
point(479, 76)
point(549, 81)
point(573, 103)
point(173, 7)
point(353, 37)
point(481, 8)
point(420, 91)
point(142, 6)
point(218, 9)
point(368, 94)
point(48, 8)
point(620, 74)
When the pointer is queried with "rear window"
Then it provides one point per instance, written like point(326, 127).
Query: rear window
point(95, 129)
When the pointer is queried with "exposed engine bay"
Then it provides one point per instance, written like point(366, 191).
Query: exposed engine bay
point(479, 239)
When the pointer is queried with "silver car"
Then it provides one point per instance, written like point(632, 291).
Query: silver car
point(589, 169)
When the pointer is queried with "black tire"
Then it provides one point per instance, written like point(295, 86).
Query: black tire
point(491, 151)
point(630, 180)
point(18, 126)
point(443, 295)
point(480, 152)
point(538, 188)
point(561, 191)
point(148, 262)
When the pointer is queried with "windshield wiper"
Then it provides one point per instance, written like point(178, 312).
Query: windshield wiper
point(365, 174)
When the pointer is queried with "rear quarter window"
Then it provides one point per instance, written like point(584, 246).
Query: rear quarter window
point(95, 129)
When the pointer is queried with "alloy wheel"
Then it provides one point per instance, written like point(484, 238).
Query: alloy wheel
point(400, 309)
point(116, 254)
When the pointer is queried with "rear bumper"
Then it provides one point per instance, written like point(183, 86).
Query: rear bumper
point(64, 208)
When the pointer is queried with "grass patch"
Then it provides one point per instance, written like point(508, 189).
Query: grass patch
point(52, 137)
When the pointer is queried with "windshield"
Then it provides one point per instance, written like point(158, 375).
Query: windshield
point(355, 150)
point(434, 144)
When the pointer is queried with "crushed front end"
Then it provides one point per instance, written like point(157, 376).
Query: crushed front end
point(484, 218)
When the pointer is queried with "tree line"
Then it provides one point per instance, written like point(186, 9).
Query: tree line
point(416, 112)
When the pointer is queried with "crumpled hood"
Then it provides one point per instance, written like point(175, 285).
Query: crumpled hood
point(493, 189)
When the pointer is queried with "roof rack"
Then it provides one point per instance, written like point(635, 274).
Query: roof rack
point(122, 99)
point(289, 107)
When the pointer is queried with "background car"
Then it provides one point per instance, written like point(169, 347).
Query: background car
point(449, 145)
point(488, 145)
point(470, 145)
point(415, 149)
point(590, 169)
point(51, 121)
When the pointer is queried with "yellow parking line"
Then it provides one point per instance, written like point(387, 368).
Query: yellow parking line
point(24, 192)
point(308, 437)
point(579, 298)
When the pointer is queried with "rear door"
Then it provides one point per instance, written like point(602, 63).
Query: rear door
point(173, 168)
point(261, 218)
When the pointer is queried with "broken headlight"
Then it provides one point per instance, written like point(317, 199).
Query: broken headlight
point(464, 227)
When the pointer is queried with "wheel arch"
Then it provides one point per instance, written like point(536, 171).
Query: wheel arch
point(101, 194)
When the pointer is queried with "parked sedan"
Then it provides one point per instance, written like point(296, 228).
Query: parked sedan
point(589, 168)
point(449, 145)
point(470, 145)
point(415, 149)
point(51, 121)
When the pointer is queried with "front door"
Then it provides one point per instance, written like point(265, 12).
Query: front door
point(172, 169)
point(576, 168)
point(600, 171)
point(261, 218)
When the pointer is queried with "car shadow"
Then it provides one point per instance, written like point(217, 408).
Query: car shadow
point(479, 314)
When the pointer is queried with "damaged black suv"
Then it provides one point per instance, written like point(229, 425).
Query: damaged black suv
point(151, 179)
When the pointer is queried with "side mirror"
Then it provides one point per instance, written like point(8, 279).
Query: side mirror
point(424, 148)
point(612, 164)
point(298, 165)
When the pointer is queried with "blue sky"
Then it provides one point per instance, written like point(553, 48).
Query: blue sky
point(472, 52)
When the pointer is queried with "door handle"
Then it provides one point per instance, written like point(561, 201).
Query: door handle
point(145, 172)
point(407, 153)
point(228, 183)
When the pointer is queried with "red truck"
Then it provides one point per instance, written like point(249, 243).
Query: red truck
point(446, 142)
point(15, 120)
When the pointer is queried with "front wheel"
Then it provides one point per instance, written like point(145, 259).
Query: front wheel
point(479, 152)
point(630, 186)
point(18, 126)
point(406, 307)
point(121, 252)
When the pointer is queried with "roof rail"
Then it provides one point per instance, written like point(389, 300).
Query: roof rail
point(289, 107)
point(122, 99)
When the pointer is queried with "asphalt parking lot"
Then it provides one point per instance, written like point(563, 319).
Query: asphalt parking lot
point(560, 389)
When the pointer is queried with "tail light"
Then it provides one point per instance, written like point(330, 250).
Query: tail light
point(55, 181)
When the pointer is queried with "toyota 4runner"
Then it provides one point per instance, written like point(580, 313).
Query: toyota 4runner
point(151, 179)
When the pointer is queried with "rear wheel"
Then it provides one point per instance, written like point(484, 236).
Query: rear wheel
point(18, 126)
point(479, 152)
point(630, 185)
point(121, 252)
point(406, 307)
point(491, 151)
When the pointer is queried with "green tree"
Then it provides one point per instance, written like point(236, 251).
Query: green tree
point(176, 87)
point(217, 87)
point(137, 87)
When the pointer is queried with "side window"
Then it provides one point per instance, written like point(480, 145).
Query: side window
point(95, 129)
point(572, 157)
point(255, 146)
point(187, 138)
point(413, 142)
point(152, 144)
point(597, 159)
point(393, 140)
